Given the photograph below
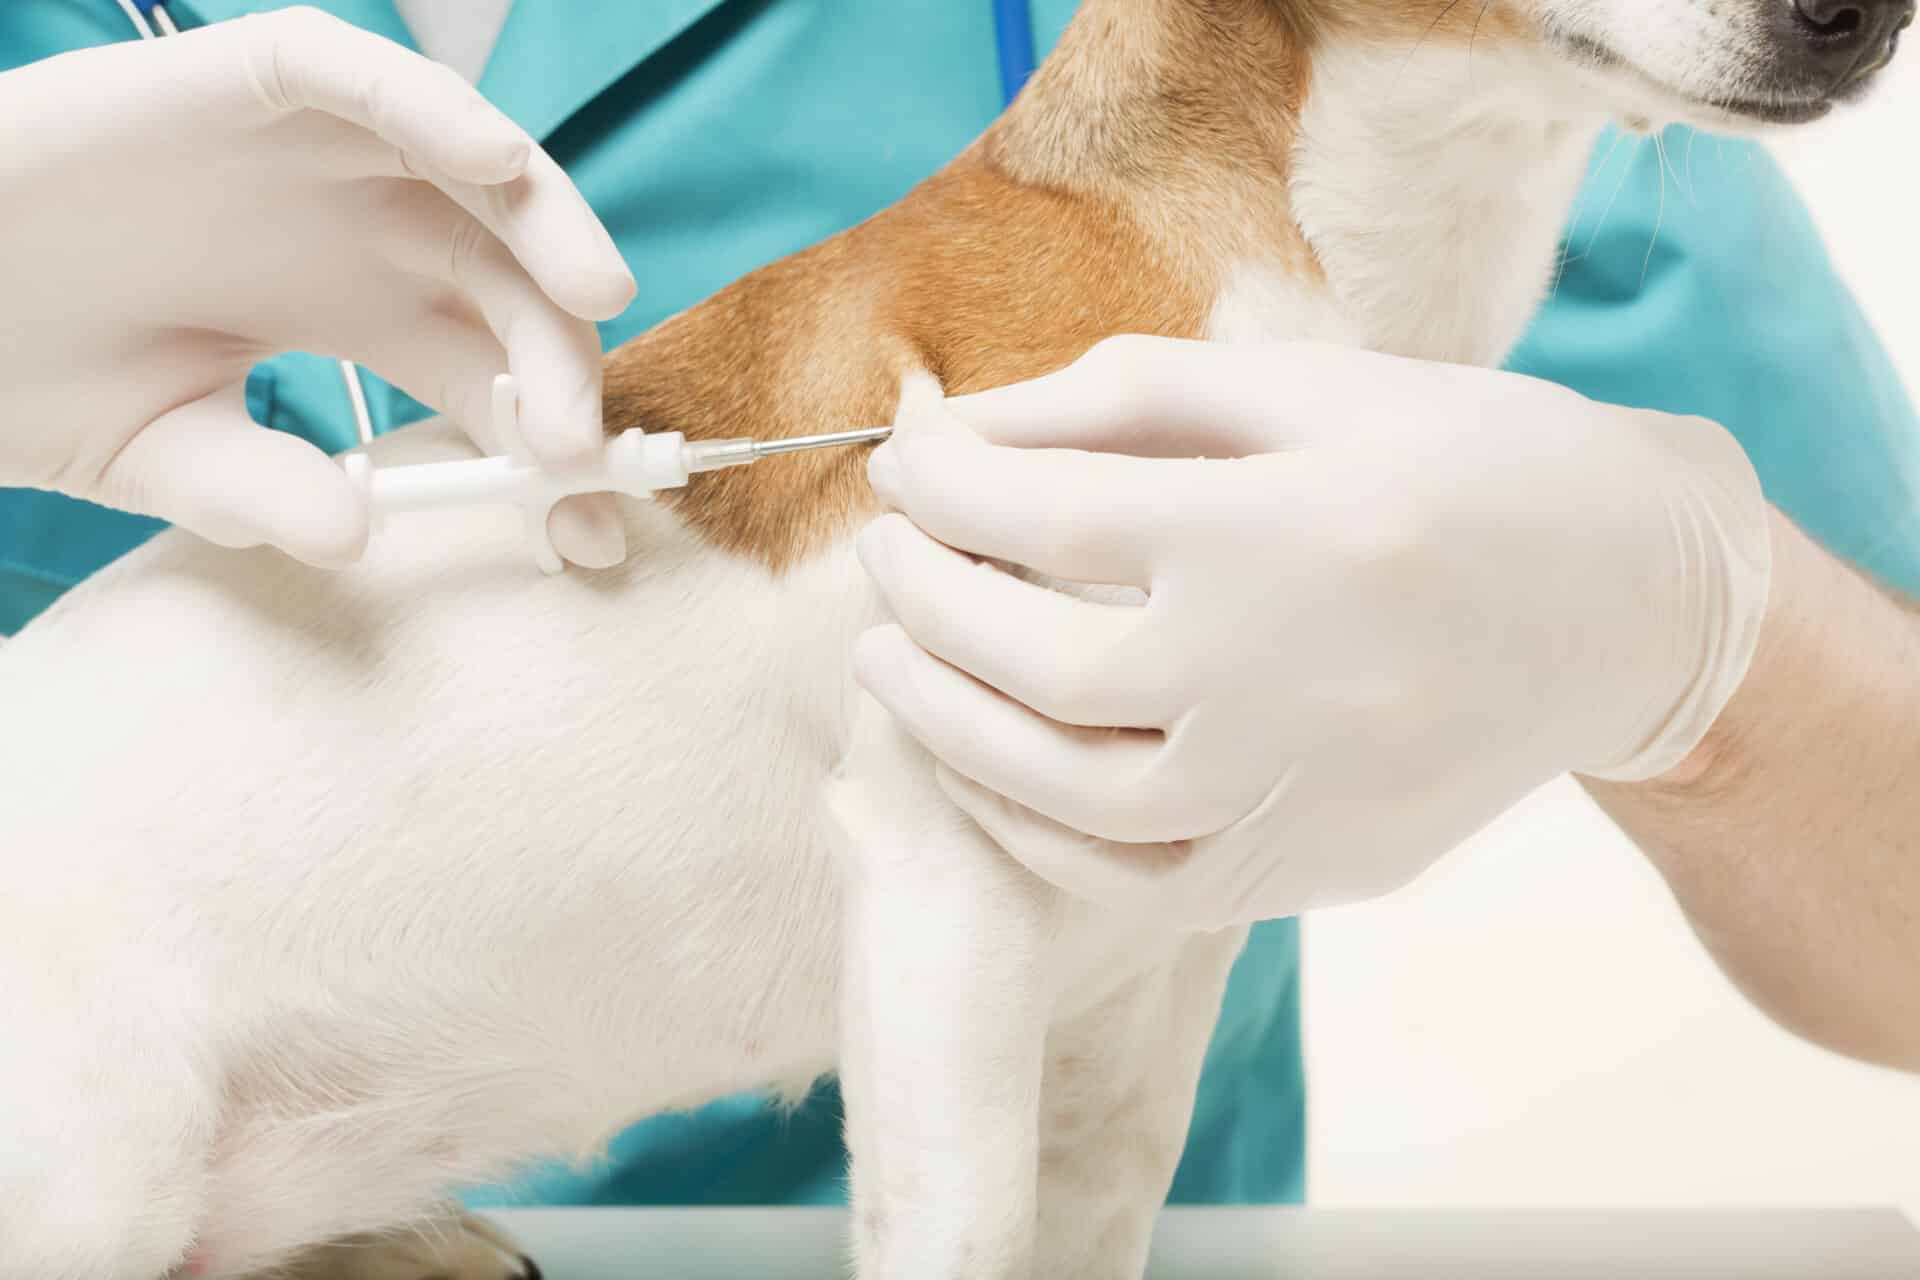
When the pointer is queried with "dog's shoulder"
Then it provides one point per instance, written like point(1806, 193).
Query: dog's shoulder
point(975, 278)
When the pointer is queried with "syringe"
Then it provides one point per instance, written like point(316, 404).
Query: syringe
point(633, 463)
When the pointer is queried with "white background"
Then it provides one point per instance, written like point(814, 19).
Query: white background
point(1533, 1024)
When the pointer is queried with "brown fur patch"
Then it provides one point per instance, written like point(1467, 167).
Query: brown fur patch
point(973, 278)
point(1151, 150)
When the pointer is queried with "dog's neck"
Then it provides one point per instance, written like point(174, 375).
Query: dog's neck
point(1400, 187)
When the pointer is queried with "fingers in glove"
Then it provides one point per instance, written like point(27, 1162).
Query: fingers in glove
point(1089, 779)
point(449, 361)
point(1122, 877)
point(437, 127)
point(303, 59)
point(1229, 879)
point(552, 232)
point(1169, 398)
point(1071, 660)
point(555, 356)
point(1123, 396)
point(209, 468)
point(445, 357)
point(1082, 517)
point(587, 530)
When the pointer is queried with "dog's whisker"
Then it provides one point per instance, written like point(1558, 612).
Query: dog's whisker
point(1666, 159)
point(1568, 253)
point(1419, 44)
point(1474, 38)
point(1660, 217)
point(1619, 186)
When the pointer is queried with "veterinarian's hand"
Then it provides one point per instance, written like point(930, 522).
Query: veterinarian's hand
point(1415, 593)
point(181, 209)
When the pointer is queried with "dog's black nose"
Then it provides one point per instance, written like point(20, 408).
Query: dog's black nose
point(1835, 42)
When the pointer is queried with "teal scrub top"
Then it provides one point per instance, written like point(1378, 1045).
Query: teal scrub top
point(714, 136)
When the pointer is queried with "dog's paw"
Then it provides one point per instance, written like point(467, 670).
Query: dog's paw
point(463, 1248)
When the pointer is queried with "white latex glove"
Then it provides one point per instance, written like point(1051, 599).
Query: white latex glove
point(1416, 593)
point(179, 209)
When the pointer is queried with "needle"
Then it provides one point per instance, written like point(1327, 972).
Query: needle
point(714, 455)
point(801, 444)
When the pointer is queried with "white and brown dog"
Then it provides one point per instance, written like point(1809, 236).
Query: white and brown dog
point(326, 893)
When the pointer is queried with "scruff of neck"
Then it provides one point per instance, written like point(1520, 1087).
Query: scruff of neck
point(1414, 168)
point(1183, 113)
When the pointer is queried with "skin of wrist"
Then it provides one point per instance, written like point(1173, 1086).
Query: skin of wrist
point(1787, 836)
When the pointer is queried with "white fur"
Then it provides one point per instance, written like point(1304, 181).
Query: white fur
point(1432, 185)
point(1685, 54)
point(329, 892)
point(1259, 303)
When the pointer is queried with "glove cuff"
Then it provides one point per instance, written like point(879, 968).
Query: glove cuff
point(1720, 527)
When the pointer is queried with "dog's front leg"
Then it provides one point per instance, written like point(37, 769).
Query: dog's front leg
point(945, 1001)
point(1120, 1083)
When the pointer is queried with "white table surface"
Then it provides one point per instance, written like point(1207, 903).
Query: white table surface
point(1279, 1244)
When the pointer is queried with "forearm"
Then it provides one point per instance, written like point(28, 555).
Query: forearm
point(1791, 837)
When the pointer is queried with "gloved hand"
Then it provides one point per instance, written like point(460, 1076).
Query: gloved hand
point(1414, 593)
point(179, 209)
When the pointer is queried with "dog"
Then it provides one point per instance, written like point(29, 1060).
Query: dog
point(330, 893)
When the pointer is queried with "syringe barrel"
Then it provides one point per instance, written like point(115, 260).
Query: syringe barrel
point(439, 485)
point(634, 464)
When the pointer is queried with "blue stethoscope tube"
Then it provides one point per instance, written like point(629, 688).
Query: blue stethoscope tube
point(148, 18)
point(1013, 31)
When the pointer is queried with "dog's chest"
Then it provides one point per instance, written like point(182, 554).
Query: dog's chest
point(1262, 303)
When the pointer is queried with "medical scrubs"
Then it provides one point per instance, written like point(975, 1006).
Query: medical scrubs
point(717, 135)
